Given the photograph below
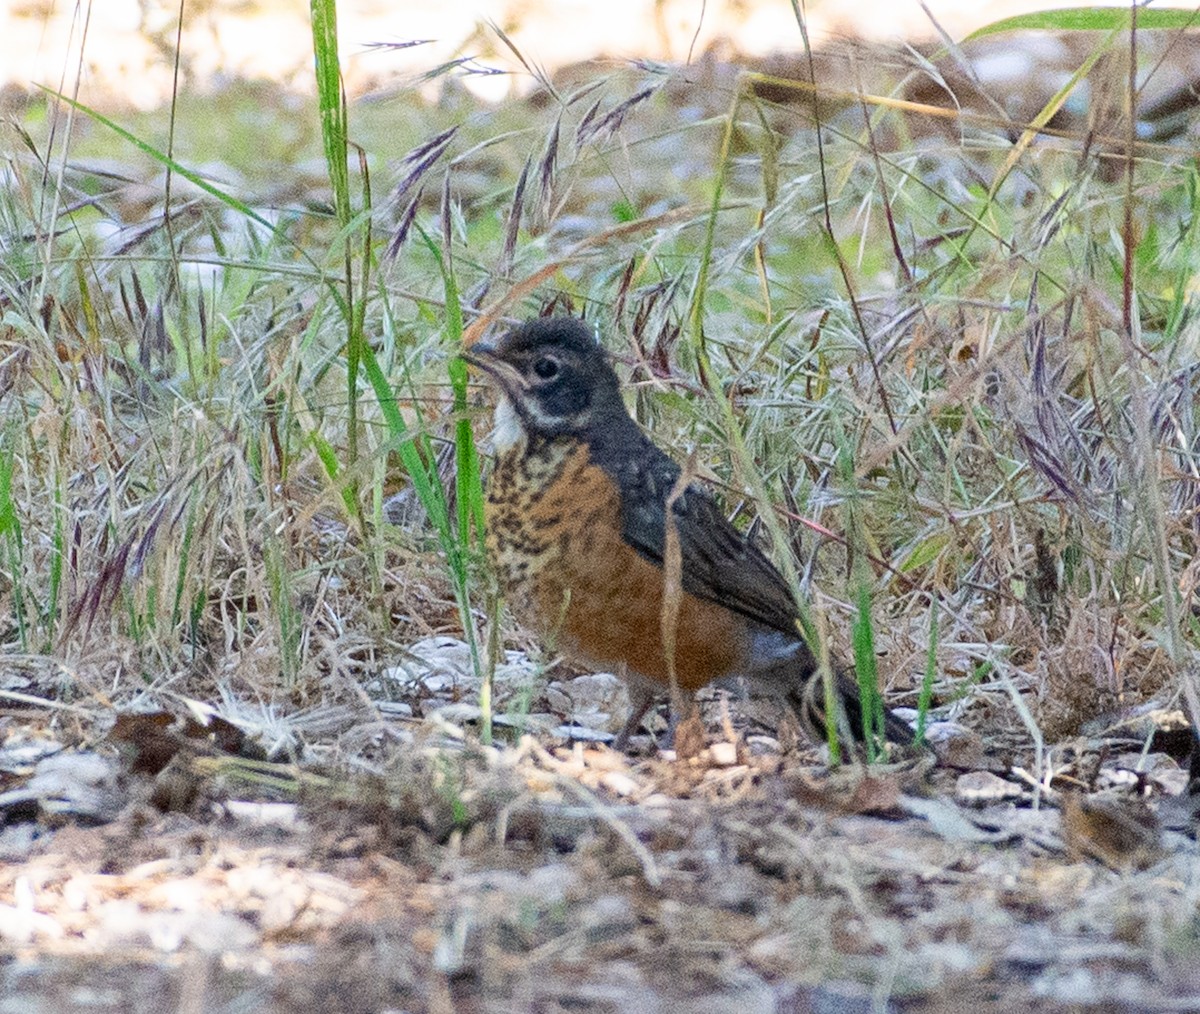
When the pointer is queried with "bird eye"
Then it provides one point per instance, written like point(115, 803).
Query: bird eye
point(546, 368)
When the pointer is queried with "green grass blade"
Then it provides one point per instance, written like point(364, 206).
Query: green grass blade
point(866, 669)
point(1091, 19)
point(10, 535)
point(926, 696)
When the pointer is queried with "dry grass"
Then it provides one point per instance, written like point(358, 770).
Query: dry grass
point(923, 363)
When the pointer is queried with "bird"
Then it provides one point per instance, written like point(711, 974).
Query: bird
point(577, 535)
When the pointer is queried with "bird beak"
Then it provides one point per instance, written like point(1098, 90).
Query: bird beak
point(486, 357)
point(482, 354)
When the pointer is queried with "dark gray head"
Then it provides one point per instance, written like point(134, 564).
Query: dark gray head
point(554, 375)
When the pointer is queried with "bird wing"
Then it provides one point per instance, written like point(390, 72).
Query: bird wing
point(718, 562)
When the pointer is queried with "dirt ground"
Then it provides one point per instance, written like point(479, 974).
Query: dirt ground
point(128, 42)
point(157, 869)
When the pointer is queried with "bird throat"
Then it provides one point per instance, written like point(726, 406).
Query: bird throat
point(508, 434)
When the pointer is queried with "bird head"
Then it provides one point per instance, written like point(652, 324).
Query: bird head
point(552, 374)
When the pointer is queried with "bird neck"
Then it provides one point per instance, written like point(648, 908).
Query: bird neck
point(508, 433)
point(614, 437)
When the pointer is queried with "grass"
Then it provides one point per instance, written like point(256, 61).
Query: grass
point(938, 349)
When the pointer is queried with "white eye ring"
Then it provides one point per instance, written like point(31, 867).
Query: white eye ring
point(546, 367)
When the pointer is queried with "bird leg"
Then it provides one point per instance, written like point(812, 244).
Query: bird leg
point(641, 699)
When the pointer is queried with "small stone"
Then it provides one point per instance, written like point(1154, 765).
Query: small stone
point(723, 754)
point(618, 783)
point(981, 787)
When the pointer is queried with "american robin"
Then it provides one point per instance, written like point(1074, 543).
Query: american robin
point(577, 532)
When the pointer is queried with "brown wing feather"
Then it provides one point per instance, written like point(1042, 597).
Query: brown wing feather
point(718, 563)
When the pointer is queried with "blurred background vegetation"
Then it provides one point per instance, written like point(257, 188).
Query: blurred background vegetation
point(927, 310)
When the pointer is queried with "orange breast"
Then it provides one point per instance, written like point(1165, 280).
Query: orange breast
point(554, 538)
